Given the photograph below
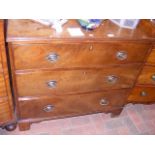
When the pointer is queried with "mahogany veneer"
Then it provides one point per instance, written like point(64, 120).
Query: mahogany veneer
point(147, 75)
point(3, 92)
point(88, 55)
point(142, 94)
point(72, 105)
point(151, 58)
point(57, 75)
point(75, 81)
point(144, 90)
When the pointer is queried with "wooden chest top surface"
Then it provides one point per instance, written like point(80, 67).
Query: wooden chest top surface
point(28, 30)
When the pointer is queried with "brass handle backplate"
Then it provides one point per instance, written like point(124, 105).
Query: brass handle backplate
point(153, 77)
point(104, 102)
point(112, 79)
point(121, 55)
point(143, 93)
point(48, 108)
point(52, 83)
point(53, 57)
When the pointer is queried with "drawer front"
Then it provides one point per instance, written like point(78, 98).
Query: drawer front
point(2, 86)
point(151, 58)
point(5, 112)
point(142, 94)
point(147, 75)
point(75, 81)
point(71, 105)
point(77, 55)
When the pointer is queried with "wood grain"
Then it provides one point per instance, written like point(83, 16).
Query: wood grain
point(75, 81)
point(1, 70)
point(5, 114)
point(146, 75)
point(76, 55)
point(6, 104)
point(72, 104)
point(80, 72)
point(136, 96)
point(30, 31)
point(148, 27)
point(3, 92)
point(151, 58)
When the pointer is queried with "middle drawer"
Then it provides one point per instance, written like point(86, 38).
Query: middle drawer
point(77, 55)
point(75, 81)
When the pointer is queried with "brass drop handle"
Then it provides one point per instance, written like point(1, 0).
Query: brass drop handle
point(52, 84)
point(112, 79)
point(53, 57)
point(143, 93)
point(104, 102)
point(121, 55)
point(48, 108)
point(153, 77)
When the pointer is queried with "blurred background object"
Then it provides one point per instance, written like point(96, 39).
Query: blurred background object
point(54, 23)
point(126, 23)
point(90, 24)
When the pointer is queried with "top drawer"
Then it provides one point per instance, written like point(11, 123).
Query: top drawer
point(77, 55)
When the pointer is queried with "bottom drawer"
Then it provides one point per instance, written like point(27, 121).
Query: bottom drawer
point(70, 105)
point(142, 94)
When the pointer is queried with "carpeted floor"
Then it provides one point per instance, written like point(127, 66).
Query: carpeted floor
point(134, 120)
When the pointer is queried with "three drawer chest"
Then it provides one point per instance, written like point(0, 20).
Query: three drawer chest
point(57, 75)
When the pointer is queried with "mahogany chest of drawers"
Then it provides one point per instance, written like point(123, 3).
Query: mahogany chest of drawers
point(57, 75)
